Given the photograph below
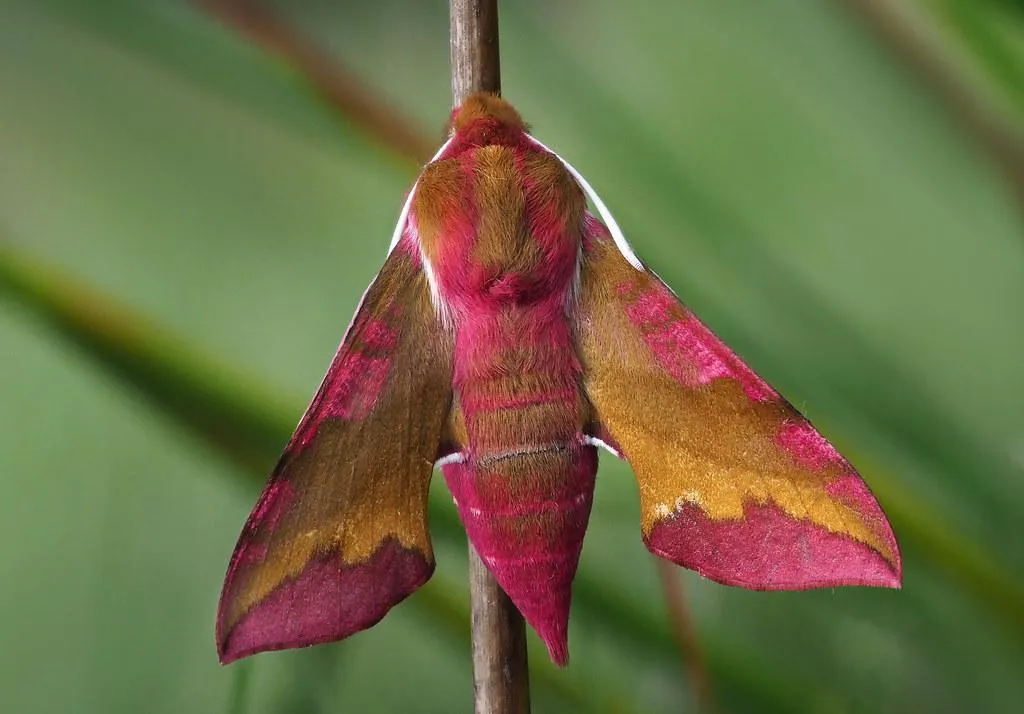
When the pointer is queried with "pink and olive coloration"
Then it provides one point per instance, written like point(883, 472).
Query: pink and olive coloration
point(508, 333)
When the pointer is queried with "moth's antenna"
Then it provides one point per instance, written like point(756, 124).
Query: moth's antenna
point(404, 215)
point(606, 215)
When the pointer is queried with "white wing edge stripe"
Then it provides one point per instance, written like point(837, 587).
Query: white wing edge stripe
point(404, 215)
point(606, 215)
point(457, 458)
point(440, 308)
point(594, 441)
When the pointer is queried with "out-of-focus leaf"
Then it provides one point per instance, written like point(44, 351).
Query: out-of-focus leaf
point(776, 164)
point(233, 413)
point(993, 30)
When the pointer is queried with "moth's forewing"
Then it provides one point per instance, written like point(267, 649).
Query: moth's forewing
point(734, 482)
point(339, 535)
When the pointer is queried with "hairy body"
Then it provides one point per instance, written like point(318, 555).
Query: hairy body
point(505, 258)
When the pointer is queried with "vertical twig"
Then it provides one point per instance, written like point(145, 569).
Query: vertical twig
point(474, 33)
point(501, 683)
point(500, 677)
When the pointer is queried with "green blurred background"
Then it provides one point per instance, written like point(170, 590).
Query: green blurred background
point(829, 206)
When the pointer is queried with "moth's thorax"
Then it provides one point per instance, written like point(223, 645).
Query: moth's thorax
point(500, 226)
point(485, 119)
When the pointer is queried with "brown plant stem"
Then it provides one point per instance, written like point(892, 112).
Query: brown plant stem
point(341, 90)
point(501, 682)
point(474, 43)
point(686, 637)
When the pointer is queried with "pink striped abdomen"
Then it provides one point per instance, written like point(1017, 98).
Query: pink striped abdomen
point(525, 489)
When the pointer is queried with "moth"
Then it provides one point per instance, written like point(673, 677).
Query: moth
point(508, 335)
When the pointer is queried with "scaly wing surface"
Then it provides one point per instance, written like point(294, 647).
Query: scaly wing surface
point(734, 482)
point(339, 535)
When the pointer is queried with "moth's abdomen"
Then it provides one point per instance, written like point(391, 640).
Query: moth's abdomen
point(530, 541)
point(524, 491)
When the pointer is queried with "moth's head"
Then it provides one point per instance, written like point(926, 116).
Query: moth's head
point(485, 119)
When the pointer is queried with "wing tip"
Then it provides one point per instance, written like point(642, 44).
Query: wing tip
point(328, 601)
